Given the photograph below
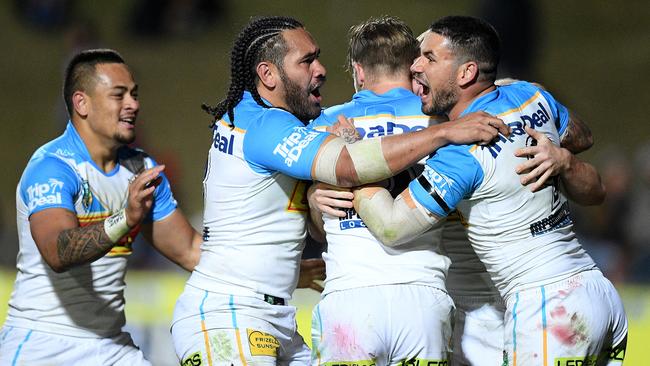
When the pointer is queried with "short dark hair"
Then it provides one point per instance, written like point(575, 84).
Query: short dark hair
point(383, 44)
point(471, 39)
point(81, 72)
point(259, 41)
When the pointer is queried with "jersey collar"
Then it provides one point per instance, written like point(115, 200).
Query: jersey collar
point(395, 93)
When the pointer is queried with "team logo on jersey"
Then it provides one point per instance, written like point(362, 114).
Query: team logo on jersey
point(86, 195)
point(291, 146)
point(298, 200)
point(40, 194)
point(390, 128)
point(221, 345)
point(262, 344)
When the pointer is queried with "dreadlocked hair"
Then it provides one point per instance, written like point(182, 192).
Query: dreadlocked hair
point(257, 42)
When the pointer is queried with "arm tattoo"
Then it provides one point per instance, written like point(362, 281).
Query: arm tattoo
point(82, 245)
point(350, 135)
point(577, 137)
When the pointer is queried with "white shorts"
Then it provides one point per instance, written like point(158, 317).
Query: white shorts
point(219, 329)
point(577, 321)
point(19, 346)
point(382, 325)
point(478, 331)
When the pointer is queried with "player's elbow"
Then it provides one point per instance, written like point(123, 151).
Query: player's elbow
point(191, 259)
point(56, 266)
point(594, 197)
point(55, 263)
point(390, 235)
point(598, 197)
point(587, 143)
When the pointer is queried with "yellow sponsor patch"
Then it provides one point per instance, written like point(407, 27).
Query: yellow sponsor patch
point(424, 362)
point(575, 361)
point(350, 363)
point(262, 344)
point(193, 360)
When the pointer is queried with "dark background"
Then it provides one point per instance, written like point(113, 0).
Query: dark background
point(592, 55)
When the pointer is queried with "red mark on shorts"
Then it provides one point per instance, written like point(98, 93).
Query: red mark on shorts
point(564, 334)
point(558, 312)
point(345, 342)
point(343, 337)
point(569, 331)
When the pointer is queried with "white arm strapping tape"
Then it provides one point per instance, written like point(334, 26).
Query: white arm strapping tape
point(393, 222)
point(367, 156)
point(325, 170)
point(115, 226)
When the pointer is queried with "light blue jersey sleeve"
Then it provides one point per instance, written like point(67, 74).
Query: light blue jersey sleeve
point(450, 175)
point(282, 143)
point(327, 118)
point(48, 182)
point(559, 111)
point(164, 201)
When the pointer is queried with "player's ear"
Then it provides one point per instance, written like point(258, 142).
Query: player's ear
point(268, 74)
point(81, 103)
point(467, 73)
point(358, 75)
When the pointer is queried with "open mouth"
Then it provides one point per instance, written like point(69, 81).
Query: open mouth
point(315, 93)
point(421, 89)
point(128, 120)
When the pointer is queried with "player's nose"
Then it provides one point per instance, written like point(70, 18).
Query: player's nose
point(416, 67)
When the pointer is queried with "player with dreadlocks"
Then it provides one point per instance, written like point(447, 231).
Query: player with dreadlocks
point(233, 309)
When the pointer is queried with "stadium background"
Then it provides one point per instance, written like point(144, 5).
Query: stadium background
point(593, 55)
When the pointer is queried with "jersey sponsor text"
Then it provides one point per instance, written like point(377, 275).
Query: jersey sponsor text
point(291, 147)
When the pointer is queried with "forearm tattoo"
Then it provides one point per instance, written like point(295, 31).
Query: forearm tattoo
point(577, 137)
point(82, 245)
point(350, 135)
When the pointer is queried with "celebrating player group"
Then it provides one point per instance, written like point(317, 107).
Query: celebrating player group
point(442, 194)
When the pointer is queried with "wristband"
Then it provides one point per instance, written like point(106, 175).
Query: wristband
point(115, 226)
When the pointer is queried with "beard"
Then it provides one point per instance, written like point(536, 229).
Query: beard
point(442, 100)
point(297, 99)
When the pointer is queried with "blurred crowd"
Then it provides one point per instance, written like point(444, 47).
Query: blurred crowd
point(616, 233)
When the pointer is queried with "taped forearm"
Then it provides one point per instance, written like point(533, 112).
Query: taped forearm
point(391, 221)
point(366, 157)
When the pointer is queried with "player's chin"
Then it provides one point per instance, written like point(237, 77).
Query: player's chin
point(314, 111)
point(427, 108)
point(126, 137)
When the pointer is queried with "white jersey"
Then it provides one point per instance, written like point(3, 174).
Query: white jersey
point(254, 207)
point(524, 239)
point(86, 300)
point(467, 276)
point(354, 257)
